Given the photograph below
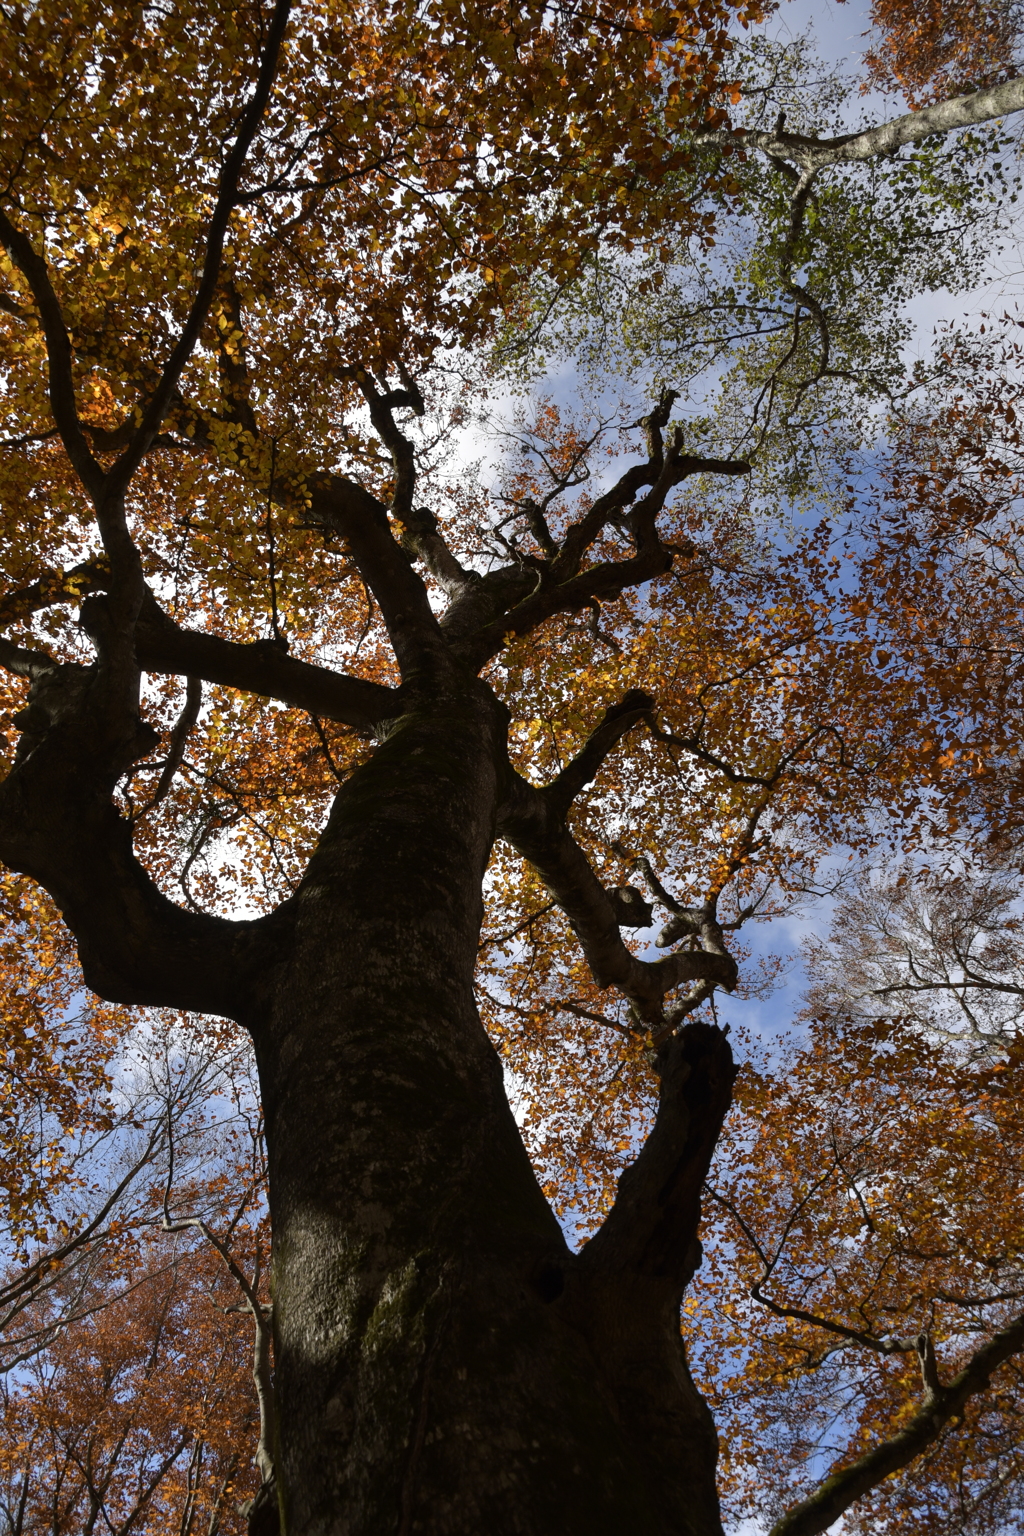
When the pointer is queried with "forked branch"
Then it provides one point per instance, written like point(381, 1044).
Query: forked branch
point(420, 535)
point(534, 827)
point(813, 153)
point(564, 584)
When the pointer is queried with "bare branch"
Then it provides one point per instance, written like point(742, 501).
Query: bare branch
point(13, 1294)
point(595, 1018)
point(345, 508)
point(57, 825)
point(561, 586)
point(179, 736)
point(263, 668)
point(259, 667)
point(420, 535)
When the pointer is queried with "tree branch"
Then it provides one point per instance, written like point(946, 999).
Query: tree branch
point(227, 190)
point(561, 586)
point(813, 153)
point(517, 598)
point(529, 822)
point(345, 508)
point(263, 668)
point(59, 355)
point(57, 824)
point(53, 587)
point(939, 1405)
point(651, 1230)
point(584, 767)
point(176, 747)
point(17, 1294)
point(580, 537)
point(420, 535)
point(231, 360)
point(606, 581)
point(161, 646)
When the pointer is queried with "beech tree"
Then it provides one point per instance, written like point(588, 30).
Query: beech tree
point(138, 1417)
point(283, 729)
point(864, 1269)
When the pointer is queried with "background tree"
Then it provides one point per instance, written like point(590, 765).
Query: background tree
point(223, 305)
point(140, 1416)
point(868, 1293)
point(872, 1309)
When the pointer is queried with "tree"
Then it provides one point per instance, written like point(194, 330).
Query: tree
point(136, 1418)
point(866, 1307)
point(125, 1401)
point(928, 50)
point(241, 250)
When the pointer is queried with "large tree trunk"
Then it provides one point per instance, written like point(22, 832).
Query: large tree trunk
point(445, 1364)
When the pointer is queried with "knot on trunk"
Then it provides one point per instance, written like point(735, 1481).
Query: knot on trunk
point(630, 908)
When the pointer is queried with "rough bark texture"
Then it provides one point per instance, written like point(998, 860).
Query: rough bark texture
point(445, 1363)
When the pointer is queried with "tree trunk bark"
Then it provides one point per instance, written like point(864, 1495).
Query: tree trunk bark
point(444, 1363)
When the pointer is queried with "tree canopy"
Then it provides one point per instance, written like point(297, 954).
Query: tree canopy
point(270, 547)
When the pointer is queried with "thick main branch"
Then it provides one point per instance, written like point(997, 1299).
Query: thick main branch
point(263, 668)
point(135, 945)
point(651, 1229)
point(162, 646)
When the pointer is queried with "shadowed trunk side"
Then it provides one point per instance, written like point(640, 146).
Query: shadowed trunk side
point(440, 1366)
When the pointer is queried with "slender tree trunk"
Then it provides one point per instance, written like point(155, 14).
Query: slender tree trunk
point(444, 1363)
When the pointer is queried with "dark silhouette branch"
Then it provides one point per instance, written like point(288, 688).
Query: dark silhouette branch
point(59, 355)
point(534, 828)
point(517, 598)
point(263, 668)
point(651, 1230)
point(584, 767)
point(176, 747)
point(345, 508)
point(164, 647)
point(55, 587)
point(561, 586)
point(420, 535)
point(939, 1405)
point(58, 825)
point(155, 409)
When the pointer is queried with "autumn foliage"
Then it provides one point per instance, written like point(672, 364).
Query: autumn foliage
point(231, 580)
point(931, 50)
